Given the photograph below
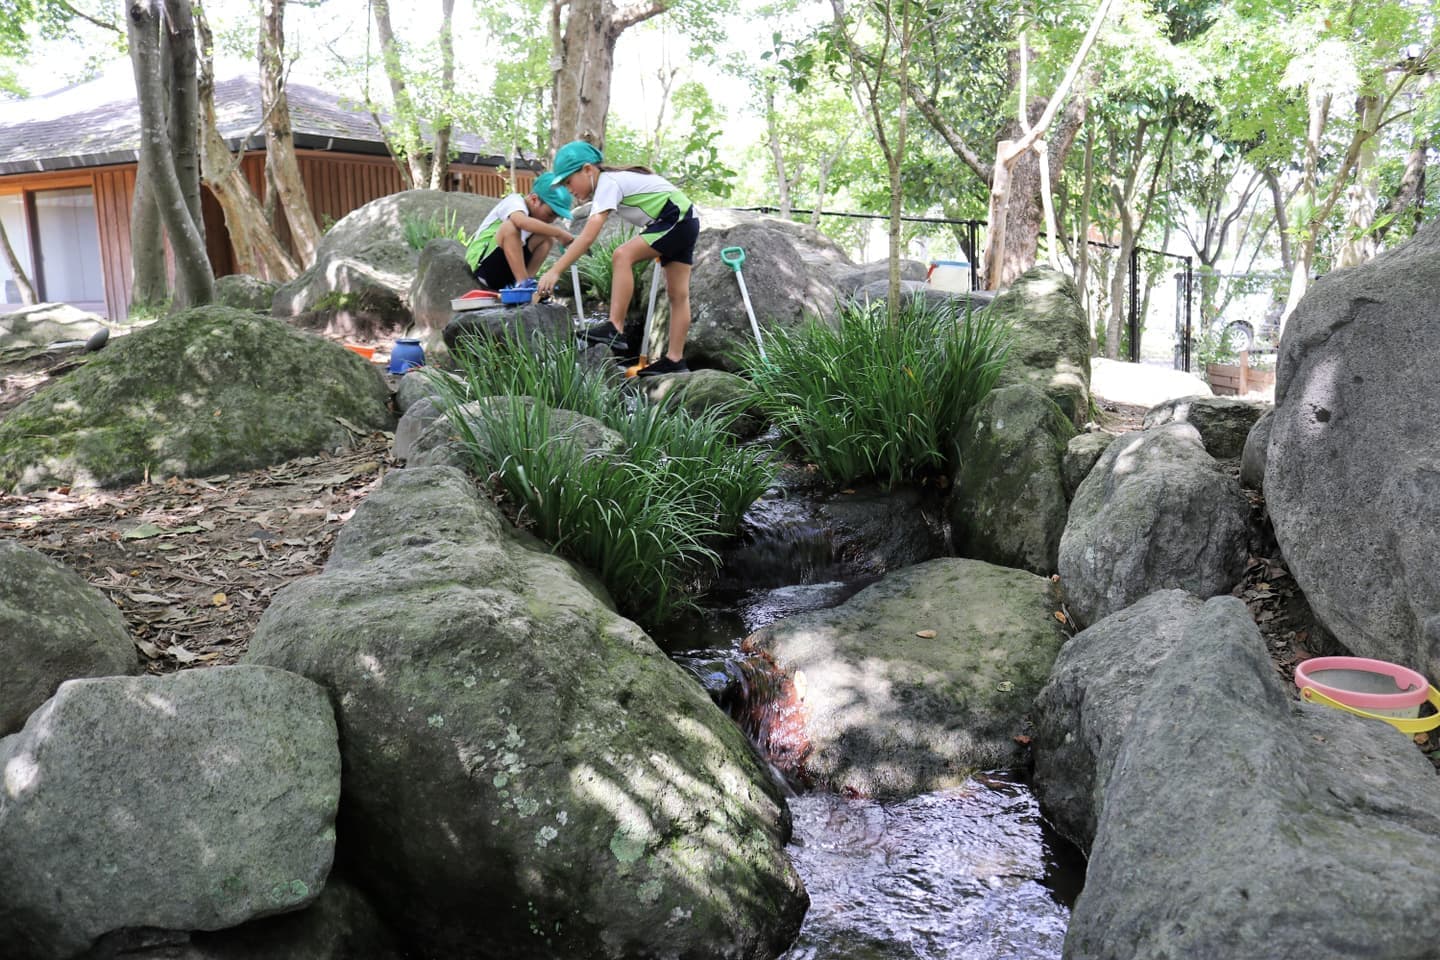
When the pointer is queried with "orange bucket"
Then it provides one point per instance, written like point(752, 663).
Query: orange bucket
point(366, 352)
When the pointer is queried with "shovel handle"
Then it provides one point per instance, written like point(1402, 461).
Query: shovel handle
point(732, 257)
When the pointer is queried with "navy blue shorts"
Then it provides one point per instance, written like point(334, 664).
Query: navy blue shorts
point(493, 271)
point(673, 234)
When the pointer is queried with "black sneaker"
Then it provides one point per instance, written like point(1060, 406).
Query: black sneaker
point(663, 366)
point(629, 348)
point(603, 334)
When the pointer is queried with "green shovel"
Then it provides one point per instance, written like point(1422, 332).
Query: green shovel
point(732, 257)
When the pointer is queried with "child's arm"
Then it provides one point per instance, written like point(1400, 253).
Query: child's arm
point(525, 222)
point(573, 252)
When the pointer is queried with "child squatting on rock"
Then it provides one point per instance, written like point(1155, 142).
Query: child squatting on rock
point(668, 227)
point(515, 237)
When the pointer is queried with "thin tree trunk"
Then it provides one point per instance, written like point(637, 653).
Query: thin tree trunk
point(22, 281)
point(440, 164)
point(1282, 219)
point(999, 269)
point(410, 140)
point(1362, 197)
point(194, 278)
point(282, 166)
point(185, 107)
point(772, 130)
point(258, 250)
point(1087, 196)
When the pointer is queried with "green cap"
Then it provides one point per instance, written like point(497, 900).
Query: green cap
point(554, 195)
point(573, 156)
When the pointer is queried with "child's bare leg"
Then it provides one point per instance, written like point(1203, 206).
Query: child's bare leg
point(622, 280)
point(508, 239)
point(540, 249)
point(677, 291)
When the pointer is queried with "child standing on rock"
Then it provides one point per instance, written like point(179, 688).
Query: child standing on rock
point(515, 237)
point(668, 228)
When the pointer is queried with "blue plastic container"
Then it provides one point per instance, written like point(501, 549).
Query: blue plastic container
point(406, 355)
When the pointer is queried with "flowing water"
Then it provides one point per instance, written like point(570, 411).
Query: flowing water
point(970, 873)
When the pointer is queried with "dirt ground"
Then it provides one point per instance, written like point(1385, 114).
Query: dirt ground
point(191, 563)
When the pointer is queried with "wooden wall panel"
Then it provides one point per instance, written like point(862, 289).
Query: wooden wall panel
point(114, 191)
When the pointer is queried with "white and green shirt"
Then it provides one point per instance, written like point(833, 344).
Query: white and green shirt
point(482, 244)
point(637, 197)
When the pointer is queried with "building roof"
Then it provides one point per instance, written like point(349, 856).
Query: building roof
point(97, 123)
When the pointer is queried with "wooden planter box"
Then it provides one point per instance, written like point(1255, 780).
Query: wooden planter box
point(1232, 379)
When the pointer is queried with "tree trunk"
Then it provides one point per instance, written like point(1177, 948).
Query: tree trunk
point(440, 166)
point(1411, 189)
point(149, 287)
point(283, 168)
point(194, 278)
point(772, 130)
point(258, 250)
point(1361, 199)
point(22, 281)
point(1282, 220)
point(184, 106)
point(584, 60)
point(409, 139)
point(1082, 242)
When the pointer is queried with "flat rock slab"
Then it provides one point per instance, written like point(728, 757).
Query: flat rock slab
point(920, 679)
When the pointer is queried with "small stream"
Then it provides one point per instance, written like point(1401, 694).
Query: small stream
point(969, 873)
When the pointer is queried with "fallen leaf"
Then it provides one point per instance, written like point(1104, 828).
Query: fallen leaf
point(1004, 686)
point(146, 598)
point(1060, 615)
point(143, 532)
point(151, 651)
point(181, 654)
point(219, 600)
point(925, 634)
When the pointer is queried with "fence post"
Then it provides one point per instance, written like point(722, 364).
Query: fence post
point(1135, 304)
point(1189, 299)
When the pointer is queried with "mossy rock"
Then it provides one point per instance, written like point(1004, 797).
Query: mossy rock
point(210, 390)
point(1050, 345)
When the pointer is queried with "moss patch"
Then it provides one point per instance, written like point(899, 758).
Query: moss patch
point(209, 390)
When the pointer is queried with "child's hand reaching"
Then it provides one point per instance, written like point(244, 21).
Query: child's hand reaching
point(546, 284)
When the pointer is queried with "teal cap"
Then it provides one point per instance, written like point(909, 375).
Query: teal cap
point(573, 156)
point(554, 195)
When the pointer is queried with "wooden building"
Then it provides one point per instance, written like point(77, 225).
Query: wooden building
point(67, 178)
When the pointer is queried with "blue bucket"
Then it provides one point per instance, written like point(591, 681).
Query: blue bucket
point(405, 356)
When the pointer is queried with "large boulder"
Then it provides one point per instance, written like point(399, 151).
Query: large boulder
point(920, 679)
point(1239, 822)
point(441, 275)
point(360, 280)
point(1081, 454)
point(1352, 475)
point(1156, 512)
point(526, 773)
point(520, 323)
point(1081, 715)
point(790, 270)
point(40, 325)
point(341, 924)
point(209, 390)
point(1008, 503)
point(1257, 446)
point(1050, 339)
point(53, 627)
point(244, 292)
point(239, 765)
point(1224, 422)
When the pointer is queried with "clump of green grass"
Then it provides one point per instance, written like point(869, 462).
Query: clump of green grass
point(644, 518)
point(419, 231)
point(867, 399)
